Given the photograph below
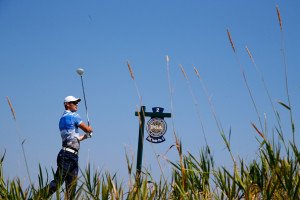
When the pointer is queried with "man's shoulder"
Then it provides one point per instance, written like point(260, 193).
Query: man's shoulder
point(75, 114)
point(69, 113)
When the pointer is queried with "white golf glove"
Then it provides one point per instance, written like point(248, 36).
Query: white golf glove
point(89, 135)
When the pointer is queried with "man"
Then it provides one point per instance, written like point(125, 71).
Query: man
point(67, 158)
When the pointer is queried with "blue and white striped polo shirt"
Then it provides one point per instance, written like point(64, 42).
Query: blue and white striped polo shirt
point(68, 126)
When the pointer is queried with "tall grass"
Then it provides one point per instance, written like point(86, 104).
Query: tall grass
point(22, 142)
point(273, 175)
point(283, 51)
point(195, 101)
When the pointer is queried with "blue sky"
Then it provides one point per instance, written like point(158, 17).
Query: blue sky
point(42, 43)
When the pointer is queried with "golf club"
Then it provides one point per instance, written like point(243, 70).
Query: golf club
point(80, 72)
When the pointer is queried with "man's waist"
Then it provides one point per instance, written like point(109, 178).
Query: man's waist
point(69, 149)
point(71, 144)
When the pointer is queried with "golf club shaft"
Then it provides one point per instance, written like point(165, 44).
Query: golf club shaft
point(86, 110)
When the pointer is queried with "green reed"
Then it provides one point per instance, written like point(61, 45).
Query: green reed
point(272, 175)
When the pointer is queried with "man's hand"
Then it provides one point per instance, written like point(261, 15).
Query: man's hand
point(87, 129)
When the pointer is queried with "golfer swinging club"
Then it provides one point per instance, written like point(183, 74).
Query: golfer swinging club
point(67, 158)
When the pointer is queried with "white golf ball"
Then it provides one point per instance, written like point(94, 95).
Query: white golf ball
point(80, 71)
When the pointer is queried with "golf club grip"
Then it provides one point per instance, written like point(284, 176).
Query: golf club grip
point(88, 123)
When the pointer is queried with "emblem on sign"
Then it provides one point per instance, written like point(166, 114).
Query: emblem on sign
point(156, 127)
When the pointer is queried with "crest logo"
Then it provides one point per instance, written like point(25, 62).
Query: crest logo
point(156, 127)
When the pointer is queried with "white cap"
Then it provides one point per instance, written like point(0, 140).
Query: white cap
point(71, 99)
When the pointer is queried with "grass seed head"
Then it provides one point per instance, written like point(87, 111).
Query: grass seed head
point(11, 108)
point(183, 72)
point(250, 55)
point(230, 40)
point(279, 17)
point(130, 70)
point(260, 133)
point(197, 72)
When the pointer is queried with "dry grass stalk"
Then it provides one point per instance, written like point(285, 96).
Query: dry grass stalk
point(18, 133)
point(170, 92)
point(279, 17)
point(209, 98)
point(11, 108)
point(244, 78)
point(250, 55)
point(183, 72)
point(135, 84)
point(194, 100)
point(183, 172)
point(230, 40)
point(286, 72)
point(266, 88)
point(260, 133)
point(197, 73)
point(130, 70)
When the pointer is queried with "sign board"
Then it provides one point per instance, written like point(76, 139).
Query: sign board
point(156, 127)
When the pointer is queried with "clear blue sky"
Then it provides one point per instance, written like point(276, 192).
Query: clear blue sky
point(42, 43)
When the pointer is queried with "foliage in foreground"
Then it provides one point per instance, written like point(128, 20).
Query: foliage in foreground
point(274, 175)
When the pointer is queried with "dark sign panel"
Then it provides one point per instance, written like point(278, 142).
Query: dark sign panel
point(156, 127)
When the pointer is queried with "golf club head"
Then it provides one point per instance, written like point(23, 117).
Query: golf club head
point(80, 71)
